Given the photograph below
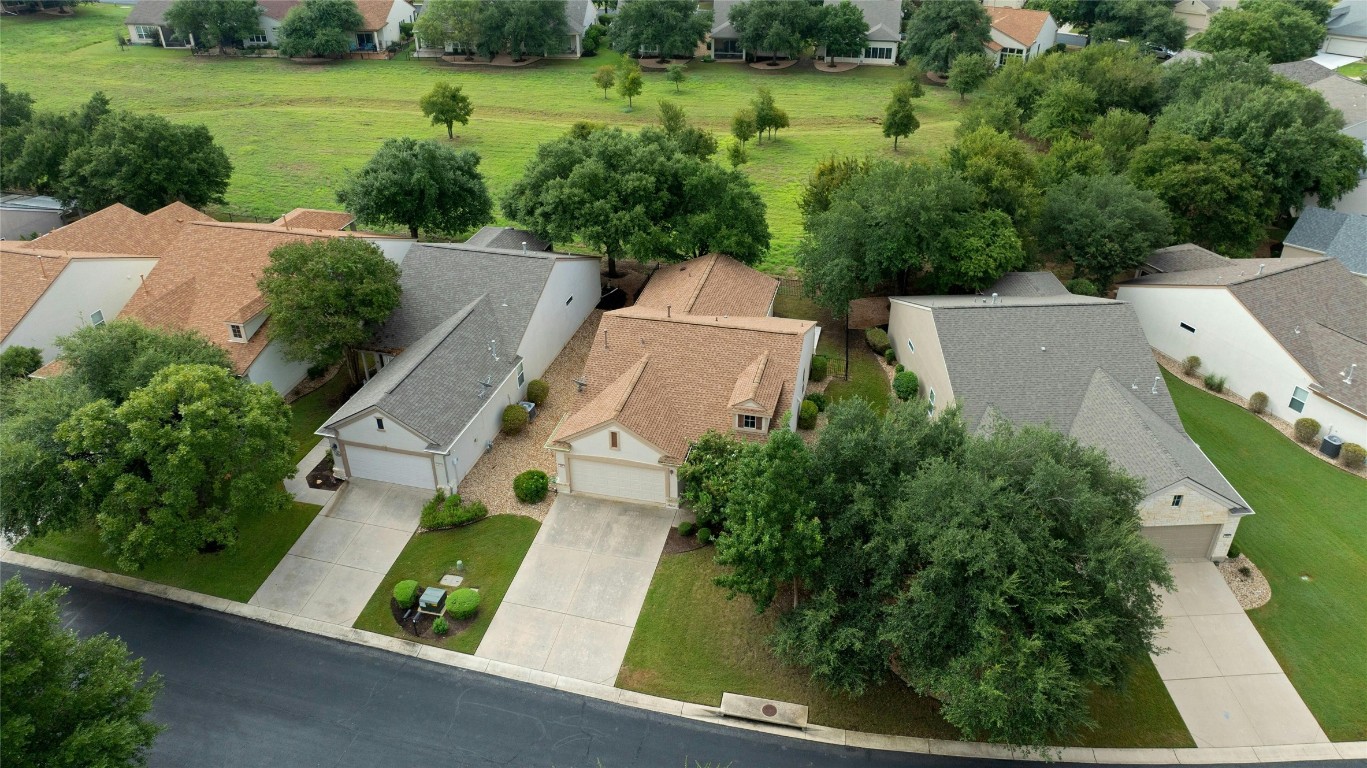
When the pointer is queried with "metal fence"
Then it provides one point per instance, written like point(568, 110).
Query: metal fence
point(791, 302)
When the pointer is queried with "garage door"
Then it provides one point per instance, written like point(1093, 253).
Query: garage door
point(1183, 542)
point(618, 481)
point(390, 467)
point(1345, 47)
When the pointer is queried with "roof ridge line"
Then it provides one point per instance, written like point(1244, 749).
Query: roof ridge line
point(637, 371)
point(456, 321)
point(697, 290)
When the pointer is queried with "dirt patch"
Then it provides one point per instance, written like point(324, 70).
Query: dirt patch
point(676, 544)
point(420, 624)
point(1248, 584)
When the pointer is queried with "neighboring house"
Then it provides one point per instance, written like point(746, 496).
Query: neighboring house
point(1347, 29)
point(579, 16)
point(884, 18)
point(1293, 328)
point(1196, 13)
point(475, 324)
point(1032, 353)
point(380, 26)
point(697, 352)
point(26, 216)
point(1347, 95)
point(1186, 54)
point(1020, 34)
point(1340, 236)
point(312, 218)
point(146, 24)
point(723, 43)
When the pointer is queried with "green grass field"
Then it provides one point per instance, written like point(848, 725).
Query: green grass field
point(1307, 537)
point(233, 574)
point(293, 131)
point(492, 550)
point(691, 643)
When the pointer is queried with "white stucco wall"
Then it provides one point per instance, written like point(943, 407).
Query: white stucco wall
point(272, 366)
point(271, 28)
point(363, 430)
point(468, 446)
point(86, 285)
point(553, 321)
point(888, 45)
point(907, 321)
point(804, 369)
point(597, 445)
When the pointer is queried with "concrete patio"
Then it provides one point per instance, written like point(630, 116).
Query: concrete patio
point(335, 566)
point(573, 605)
point(1226, 684)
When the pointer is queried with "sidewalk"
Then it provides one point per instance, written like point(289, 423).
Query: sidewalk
point(298, 486)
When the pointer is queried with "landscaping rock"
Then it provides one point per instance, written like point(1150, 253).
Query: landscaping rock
point(1253, 590)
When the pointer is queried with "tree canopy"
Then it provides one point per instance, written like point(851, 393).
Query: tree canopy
point(1103, 224)
point(899, 118)
point(34, 145)
point(449, 22)
point(324, 28)
point(420, 185)
point(661, 27)
point(18, 361)
point(1278, 29)
point(1135, 20)
point(968, 72)
point(938, 32)
point(536, 27)
point(114, 359)
point(842, 30)
point(447, 105)
point(777, 27)
point(222, 23)
point(38, 493)
point(1004, 170)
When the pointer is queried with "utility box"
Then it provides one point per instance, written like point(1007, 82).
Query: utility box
point(1331, 445)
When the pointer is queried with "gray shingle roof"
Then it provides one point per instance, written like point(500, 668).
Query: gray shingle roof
point(1027, 284)
point(1186, 54)
point(884, 17)
point(150, 12)
point(1183, 258)
point(1348, 18)
point(721, 19)
point(1345, 94)
point(507, 238)
point(575, 10)
point(1304, 72)
point(1316, 229)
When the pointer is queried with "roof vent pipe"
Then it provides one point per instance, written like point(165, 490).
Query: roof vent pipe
point(1154, 389)
point(1348, 375)
point(524, 247)
point(996, 299)
point(1261, 267)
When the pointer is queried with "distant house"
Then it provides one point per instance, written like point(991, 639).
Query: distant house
point(147, 26)
point(380, 26)
point(579, 16)
point(884, 18)
point(27, 216)
point(1347, 95)
point(1294, 328)
point(1029, 352)
point(477, 321)
point(1196, 14)
point(1340, 236)
point(1346, 30)
point(1020, 34)
point(723, 44)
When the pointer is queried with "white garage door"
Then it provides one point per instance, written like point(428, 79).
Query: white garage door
point(1183, 542)
point(390, 467)
point(1345, 47)
point(618, 481)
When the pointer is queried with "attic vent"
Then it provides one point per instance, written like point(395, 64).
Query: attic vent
point(580, 384)
point(484, 387)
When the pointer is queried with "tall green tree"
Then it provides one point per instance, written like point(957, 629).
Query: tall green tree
point(450, 22)
point(1069, 157)
point(16, 107)
point(421, 185)
point(18, 362)
point(662, 27)
point(1119, 133)
point(899, 118)
point(830, 175)
point(981, 248)
point(1278, 29)
point(842, 30)
point(1142, 21)
point(535, 27)
point(690, 139)
point(676, 75)
point(716, 210)
point(114, 359)
point(144, 162)
point(768, 115)
point(968, 72)
point(1103, 224)
point(222, 23)
point(1067, 108)
point(327, 297)
point(940, 31)
point(33, 150)
point(605, 77)
point(776, 27)
point(630, 84)
point(323, 28)
point(173, 468)
point(64, 700)
point(706, 477)
point(1004, 170)
point(744, 125)
point(446, 104)
point(38, 493)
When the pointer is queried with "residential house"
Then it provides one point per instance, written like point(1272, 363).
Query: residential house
point(380, 26)
point(579, 16)
point(29, 216)
point(1019, 33)
point(1294, 328)
point(1347, 95)
point(1029, 352)
point(147, 25)
point(1338, 235)
point(477, 321)
point(1347, 29)
point(1196, 14)
point(697, 352)
point(312, 218)
point(884, 18)
point(723, 44)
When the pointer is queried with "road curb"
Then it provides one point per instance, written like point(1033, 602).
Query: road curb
point(838, 736)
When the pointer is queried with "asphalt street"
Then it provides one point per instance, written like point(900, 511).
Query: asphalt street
point(240, 693)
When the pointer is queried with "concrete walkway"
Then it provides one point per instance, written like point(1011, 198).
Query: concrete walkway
point(298, 486)
point(571, 609)
point(335, 566)
point(1226, 684)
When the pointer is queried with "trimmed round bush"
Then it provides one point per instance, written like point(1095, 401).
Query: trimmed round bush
point(687, 528)
point(820, 367)
point(1191, 365)
point(1082, 287)
point(462, 603)
point(890, 356)
point(531, 486)
point(819, 400)
point(440, 627)
point(1233, 551)
point(1258, 402)
point(877, 339)
point(1353, 456)
point(705, 535)
point(1214, 383)
point(906, 385)
point(806, 415)
point(514, 419)
point(1307, 429)
point(898, 368)
point(538, 391)
point(406, 593)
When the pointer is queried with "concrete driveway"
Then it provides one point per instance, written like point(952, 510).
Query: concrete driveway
point(336, 565)
point(573, 605)
point(1226, 684)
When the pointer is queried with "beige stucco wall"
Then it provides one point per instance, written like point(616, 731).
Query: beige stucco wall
point(907, 321)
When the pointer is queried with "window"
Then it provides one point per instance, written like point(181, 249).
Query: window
point(145, 33)
point(236, 331)
point(931, 397)
point(878, 53)
point(910, 347)
point(1010, 53)
point(1187, 328)
point(567, 301)
point(1177, 500)
point(257, 39)
point(521, 376)
point(1298, 398)
point(612, 441)
point(97, 318)
point(379, 423)
point(749, 422)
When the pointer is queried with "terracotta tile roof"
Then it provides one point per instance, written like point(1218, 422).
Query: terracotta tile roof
point(122, 230)
point(710, 285)
point(1019, 24)
point(312, 218)
point(26, 273)
point(669, 379)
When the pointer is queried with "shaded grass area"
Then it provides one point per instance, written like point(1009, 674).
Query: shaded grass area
point(1311, 522)
point(867, 378)
point(691, 643)
point(294, 131)
point(234, 574)
point(309, 412)
point(492, 550)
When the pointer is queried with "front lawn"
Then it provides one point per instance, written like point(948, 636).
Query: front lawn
point(309, 412)
point(1355, 70)
point(233, 574)
point(691, 643)
point(1309, 537)
point(492, 550)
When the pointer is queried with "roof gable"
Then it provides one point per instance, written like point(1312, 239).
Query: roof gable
point(122, 230)
point(313, 218)
point(710, 285)
point(1019, 24)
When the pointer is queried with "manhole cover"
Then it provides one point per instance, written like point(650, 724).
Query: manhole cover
point(769, 710)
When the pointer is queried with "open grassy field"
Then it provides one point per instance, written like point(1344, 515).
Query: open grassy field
point(1309, 537)
point(293, 131)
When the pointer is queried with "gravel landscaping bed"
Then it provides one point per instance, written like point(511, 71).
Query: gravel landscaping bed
point(1251, 589)
point(491, 479)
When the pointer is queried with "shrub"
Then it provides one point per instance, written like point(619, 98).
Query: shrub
point(819, 400)
point(806, 415)
point(406, 593)
point(1353, 456)
point(1214, 383)
point(890, 356)
point(453, 514)
point(878, 340)
point(898, 368)
point(1233, 551)
point(462, 603)
point(531, 486)
point(537, 390)
point(820, 367)
point(1191, 365)
point(687, 528)
point(1258, 402)
point(1307, 429)
point(705, 535)
point(405, 29)
point(440, 627)
point(514, 419)
point(433, 509)
point(906, 385)
point(1246, 572)
point(18, 362)
point(1082, 287)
